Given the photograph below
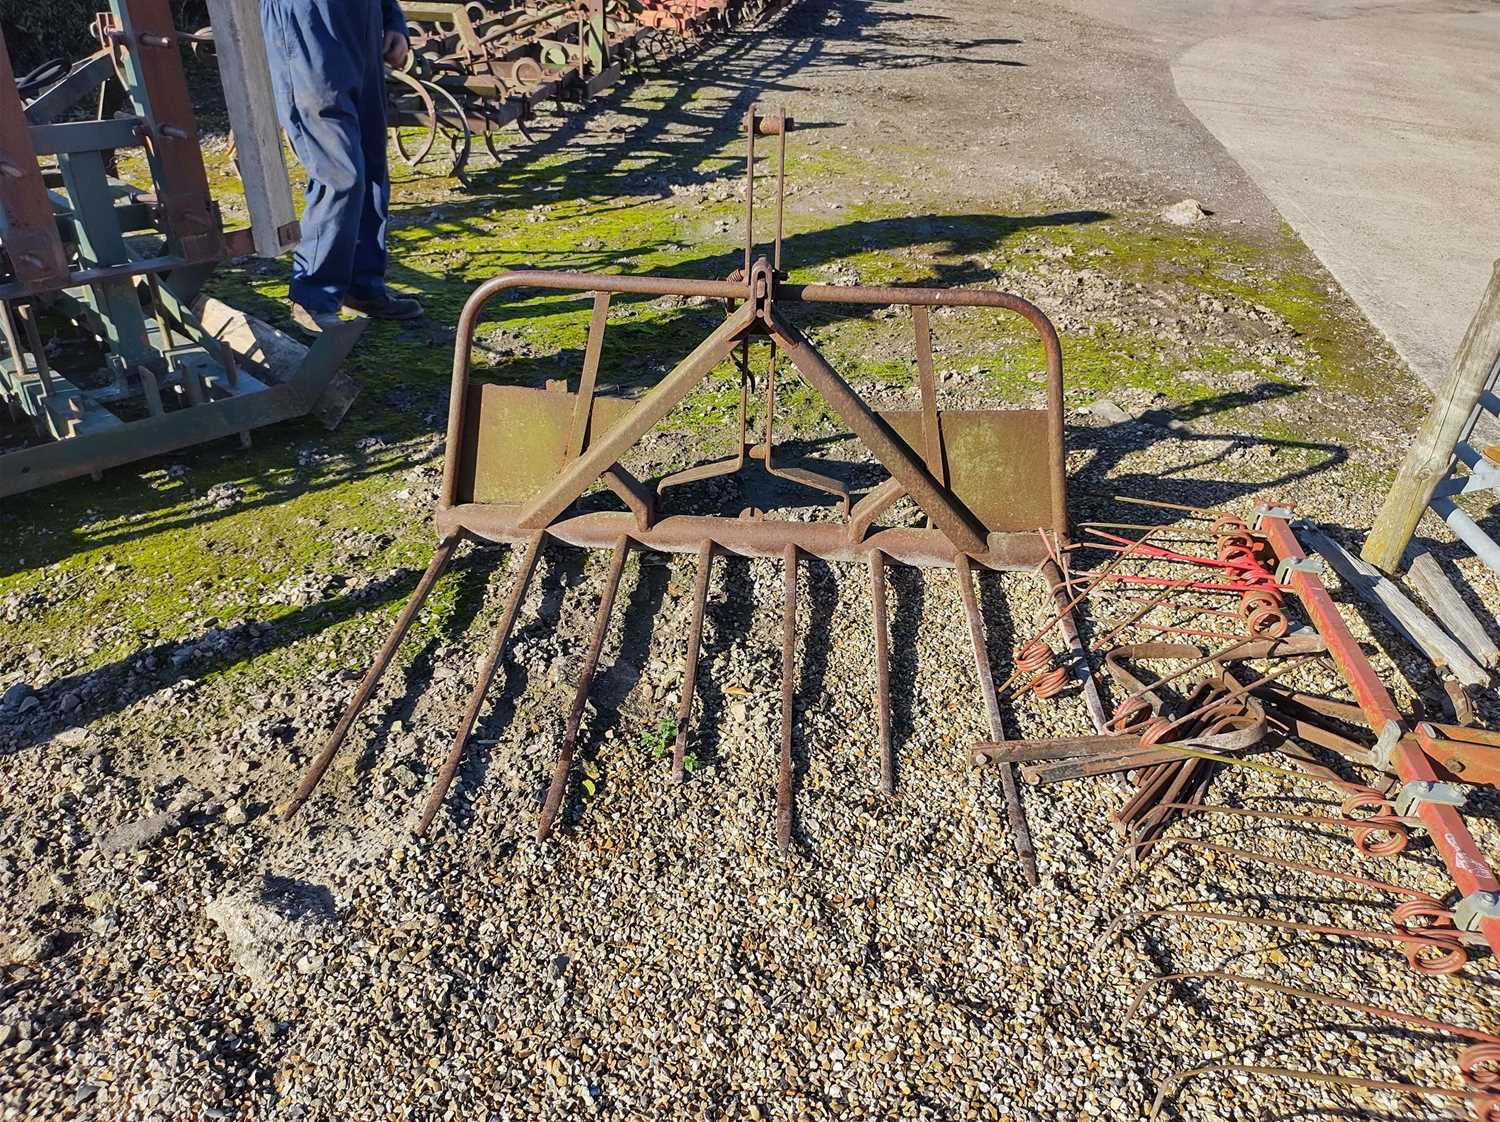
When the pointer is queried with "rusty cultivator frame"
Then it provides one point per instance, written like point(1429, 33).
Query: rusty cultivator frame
point(477, 67)
point(989, 482)
point(87, 259)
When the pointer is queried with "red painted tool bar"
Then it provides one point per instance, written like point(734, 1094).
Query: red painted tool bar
point(1466, 863)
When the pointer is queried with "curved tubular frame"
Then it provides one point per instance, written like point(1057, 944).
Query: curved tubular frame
point(955, 528)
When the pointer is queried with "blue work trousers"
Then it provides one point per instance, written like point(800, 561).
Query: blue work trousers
point(330, 89)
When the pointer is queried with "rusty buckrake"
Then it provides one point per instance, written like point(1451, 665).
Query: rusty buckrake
point(990, 483)
point(477, 67)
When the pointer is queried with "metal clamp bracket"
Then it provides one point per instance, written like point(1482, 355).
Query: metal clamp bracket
point(1385, 746)
point(1312, 565)
point(1420, 791)
point(1474, 909)
point(1262, 512)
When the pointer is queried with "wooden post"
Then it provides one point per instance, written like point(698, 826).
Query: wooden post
point(1427, 577)
point(246, 76)
point(1431, 451)
point(1441, 649)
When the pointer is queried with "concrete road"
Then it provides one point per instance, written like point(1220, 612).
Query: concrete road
point(1377, 134)
point(1371, 126)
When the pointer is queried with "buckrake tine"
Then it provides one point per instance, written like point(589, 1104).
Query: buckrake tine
point(1015, 812)
point(482, 685)
point(1268, 986)
point(1484, 1105)
point(882, 671)
point(435, 568)
point(690, 664)
point(559, 782)
point(788, 701)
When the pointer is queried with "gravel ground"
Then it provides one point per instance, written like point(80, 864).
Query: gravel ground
point(176, 952)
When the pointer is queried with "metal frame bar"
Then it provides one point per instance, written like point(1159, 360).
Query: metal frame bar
point(957, 530)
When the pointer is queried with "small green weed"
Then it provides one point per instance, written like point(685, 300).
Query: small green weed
point(657, 740)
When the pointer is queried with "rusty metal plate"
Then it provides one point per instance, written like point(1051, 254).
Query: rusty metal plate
point(997, 462)
point(174, 151)
point(515, 437)
point(28, 226)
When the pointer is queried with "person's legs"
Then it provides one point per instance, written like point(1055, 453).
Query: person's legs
point(368, 279)
point(367, 292)
point(314, 48)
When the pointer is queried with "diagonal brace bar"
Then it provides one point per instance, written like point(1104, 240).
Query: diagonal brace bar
point(936, 501)
point(602, 453)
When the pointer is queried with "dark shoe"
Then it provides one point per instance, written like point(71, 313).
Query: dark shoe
point(385, 306)
point(316, 323)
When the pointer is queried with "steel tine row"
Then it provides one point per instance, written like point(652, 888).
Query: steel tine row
point(690, 665)
point(481, 686)
point(435, 568)
point(552, 804)
point(559, 782)
point(788, 700)
point(882, 670)
point(1013, 808)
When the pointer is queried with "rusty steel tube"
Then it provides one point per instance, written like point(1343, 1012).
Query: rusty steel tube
point(974, 298)
point(744, 537)
point(482, 684)
point(788, 701)
point(882, 671)
point(559, 782)
point(742, 290)
point(1015, 811)
point(474, 306)
point(875, 432)
point(316, 769)
point(690, 659)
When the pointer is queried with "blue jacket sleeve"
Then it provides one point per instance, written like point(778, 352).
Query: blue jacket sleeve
point(390, 11)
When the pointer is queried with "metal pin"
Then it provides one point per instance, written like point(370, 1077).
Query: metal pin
point(690, 665)
point(788, 688)
point(1013, 808)
point(486, 676)
point(882, 671)
point(435, 569)
point(581, 694)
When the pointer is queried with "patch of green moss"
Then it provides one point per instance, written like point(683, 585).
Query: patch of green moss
point(1275, 277)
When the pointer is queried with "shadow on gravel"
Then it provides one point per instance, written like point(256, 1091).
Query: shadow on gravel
point(297, 899)
point(555, 576)
point(815, 609)
point(908, 586)
point(153, 669)
point(470, 585)
point(1093, 487)
point(725, 617)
